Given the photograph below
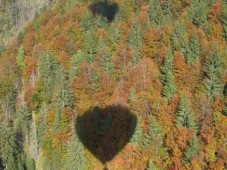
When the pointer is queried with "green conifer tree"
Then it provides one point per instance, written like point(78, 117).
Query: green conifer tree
point(75, 64)
point(8, 148)
point(2, 48)
point(64, 94)
point(179, 37)
point(193, 49)
point(168, 18)
point(154, 136)
point(155, 13)
point(101, 22)
point(212, 81)
point(30, 164)
point(76, 158)
point(198, 12)
point(135, 35)
point(136, 139)
point(200, 18)
point(224, 18)
point(169, 88)
point(107, 66)
point(41, 123)
point(135, 41)
point(20, 58)
point(114, 32)
point(106, 63)
point(192, 148)
point(48, 72)
point(24, 118)
point(70, 3)
point(90, 47)
point(132, 94)
point(87, 21)
point(95, 80)
point(192, 9)
point(167, 78)
point(57, 121)
point(151, 166)
point(185, 117)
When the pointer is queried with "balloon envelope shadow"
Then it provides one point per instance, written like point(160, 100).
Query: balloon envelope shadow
point(104, 8)
point(105, 131)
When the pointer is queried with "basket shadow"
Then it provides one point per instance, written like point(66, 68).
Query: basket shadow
point(104, 8)
point(105, 131)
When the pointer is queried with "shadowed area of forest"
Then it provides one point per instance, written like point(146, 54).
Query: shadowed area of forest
point(105, 131)
point(104, 8)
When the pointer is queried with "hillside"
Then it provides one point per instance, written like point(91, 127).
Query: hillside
point(15, 14)
point(117, 84)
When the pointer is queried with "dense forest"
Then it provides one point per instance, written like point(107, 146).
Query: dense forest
point(118, 85)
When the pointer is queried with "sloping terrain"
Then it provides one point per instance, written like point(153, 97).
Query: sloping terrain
point(15, 14)
point(117, 84)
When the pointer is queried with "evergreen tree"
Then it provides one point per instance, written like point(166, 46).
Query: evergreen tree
point(126, 8)
point(70, 3)
point(95, 80)
point(198, 12)
point(151, 166)
point(193, 50)
point(192, 9)
point(57, 121)
point(136, 56)
point(2, 49)
point(224, 18)
point(106, 64)
point(225, 111)
point(135, 41)
point(48, 71)
point(24, 118)
point(155, 13)
point(169, 88)
point(42, 123)
point(154, 136)
point(135, 35)
point(8, 100)
point(46, 164)
point(90, 47)
point(185, 117)
point(167, 77)
point(200, 17)
point(21, 161)
point(179, 37)
point(76, 158)
point(8, 148)
point(75, 64)
point(11, 98)
point(136, 139)
point(132, 94)
point(114, 32)
point(167, 65)
point(168, 12)
point(101, 22)
point(20, 58)
point(192, 148)
point(63, 95)
point(86, 21)
point(30, 164)
point(212, 81)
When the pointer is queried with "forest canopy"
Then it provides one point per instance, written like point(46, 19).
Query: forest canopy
point(117, 84)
